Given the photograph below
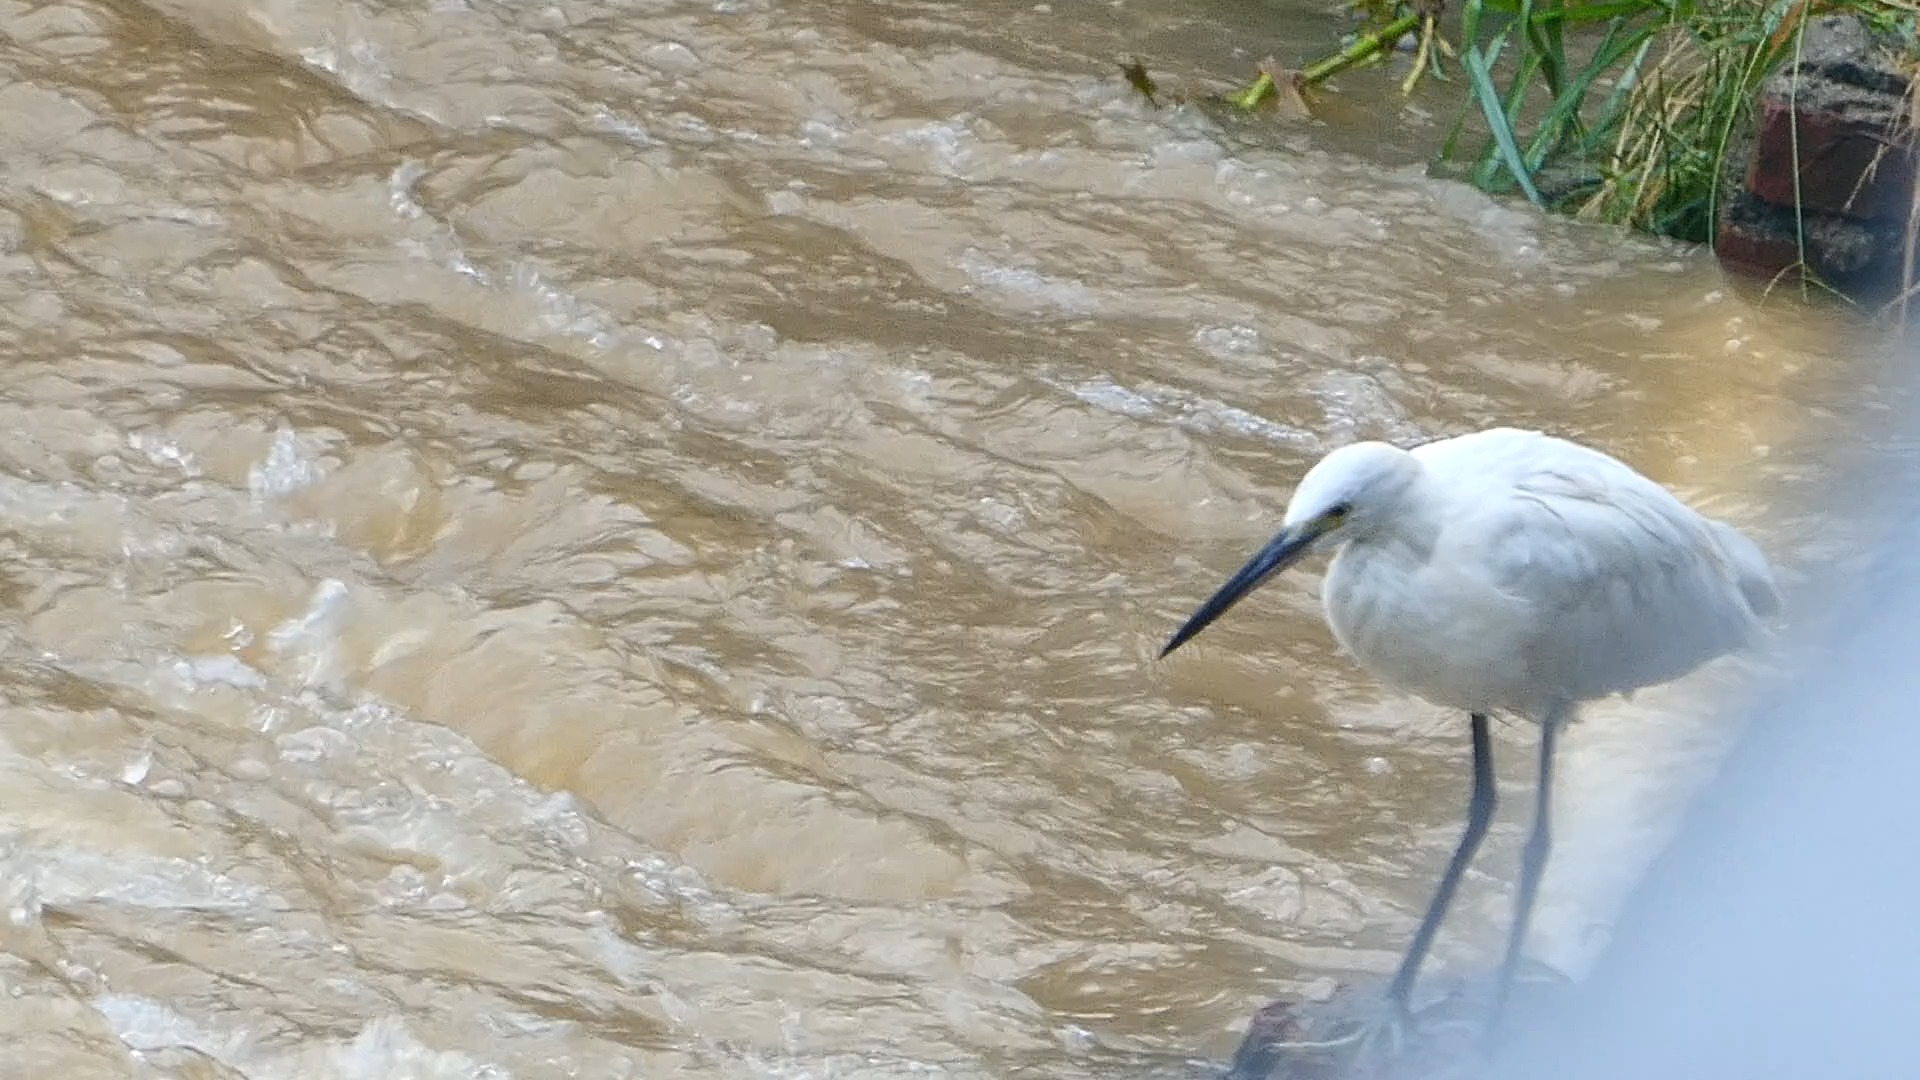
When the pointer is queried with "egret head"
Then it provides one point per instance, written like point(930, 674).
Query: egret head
point(1353, 493)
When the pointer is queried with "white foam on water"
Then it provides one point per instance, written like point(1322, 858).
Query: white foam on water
point(630, 130)
point(207, 672)
point(312, 637)
point(562, 311)
point(356, 63)
point(291, 464)
point(161, 450)
point(400, 185)
point(1188, 411)
point(70, 875)
point(384, 1049)
point(1026, 287)
point(1228, 342)
point(144, 1024)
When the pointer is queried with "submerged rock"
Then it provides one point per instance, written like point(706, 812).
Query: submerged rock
point(1318, 1039)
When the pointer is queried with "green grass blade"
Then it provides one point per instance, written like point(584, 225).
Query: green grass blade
point(1470, 22)
point(1481, 81)
point(1551, 62)
point(1563, 114)
point(1510, 106)
point(1553, 42)
point(1486, 168)
point(1579, 14)
point(1616, 103)
point(1563, 120)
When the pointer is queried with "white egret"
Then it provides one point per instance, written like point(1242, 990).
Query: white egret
point(1509, 571)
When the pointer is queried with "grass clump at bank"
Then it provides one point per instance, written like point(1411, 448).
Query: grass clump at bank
point(1621, 111)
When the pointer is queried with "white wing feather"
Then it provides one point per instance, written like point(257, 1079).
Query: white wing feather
point(1627, 586)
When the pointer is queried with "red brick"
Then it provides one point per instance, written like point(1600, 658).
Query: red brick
point(1849, 165)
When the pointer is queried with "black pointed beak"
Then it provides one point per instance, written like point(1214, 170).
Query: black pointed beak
point(1282, 551)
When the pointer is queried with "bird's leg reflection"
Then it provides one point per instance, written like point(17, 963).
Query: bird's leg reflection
point(1533, 861)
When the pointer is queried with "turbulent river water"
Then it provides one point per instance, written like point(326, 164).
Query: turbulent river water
point(628, 539)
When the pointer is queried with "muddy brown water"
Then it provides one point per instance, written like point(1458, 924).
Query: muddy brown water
point(627, 540)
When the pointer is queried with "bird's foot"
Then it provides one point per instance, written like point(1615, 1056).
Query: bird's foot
point(1360, 1037)
point(1385, 1038)
point(1363, 1046)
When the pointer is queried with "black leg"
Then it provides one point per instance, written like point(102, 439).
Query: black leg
point(1533, 860)
point(1479, 816)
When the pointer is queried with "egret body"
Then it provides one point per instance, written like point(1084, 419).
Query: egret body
point(1509, 572)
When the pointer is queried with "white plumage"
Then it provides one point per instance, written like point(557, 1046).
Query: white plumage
point(1509, 571)
point(1506, 570)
